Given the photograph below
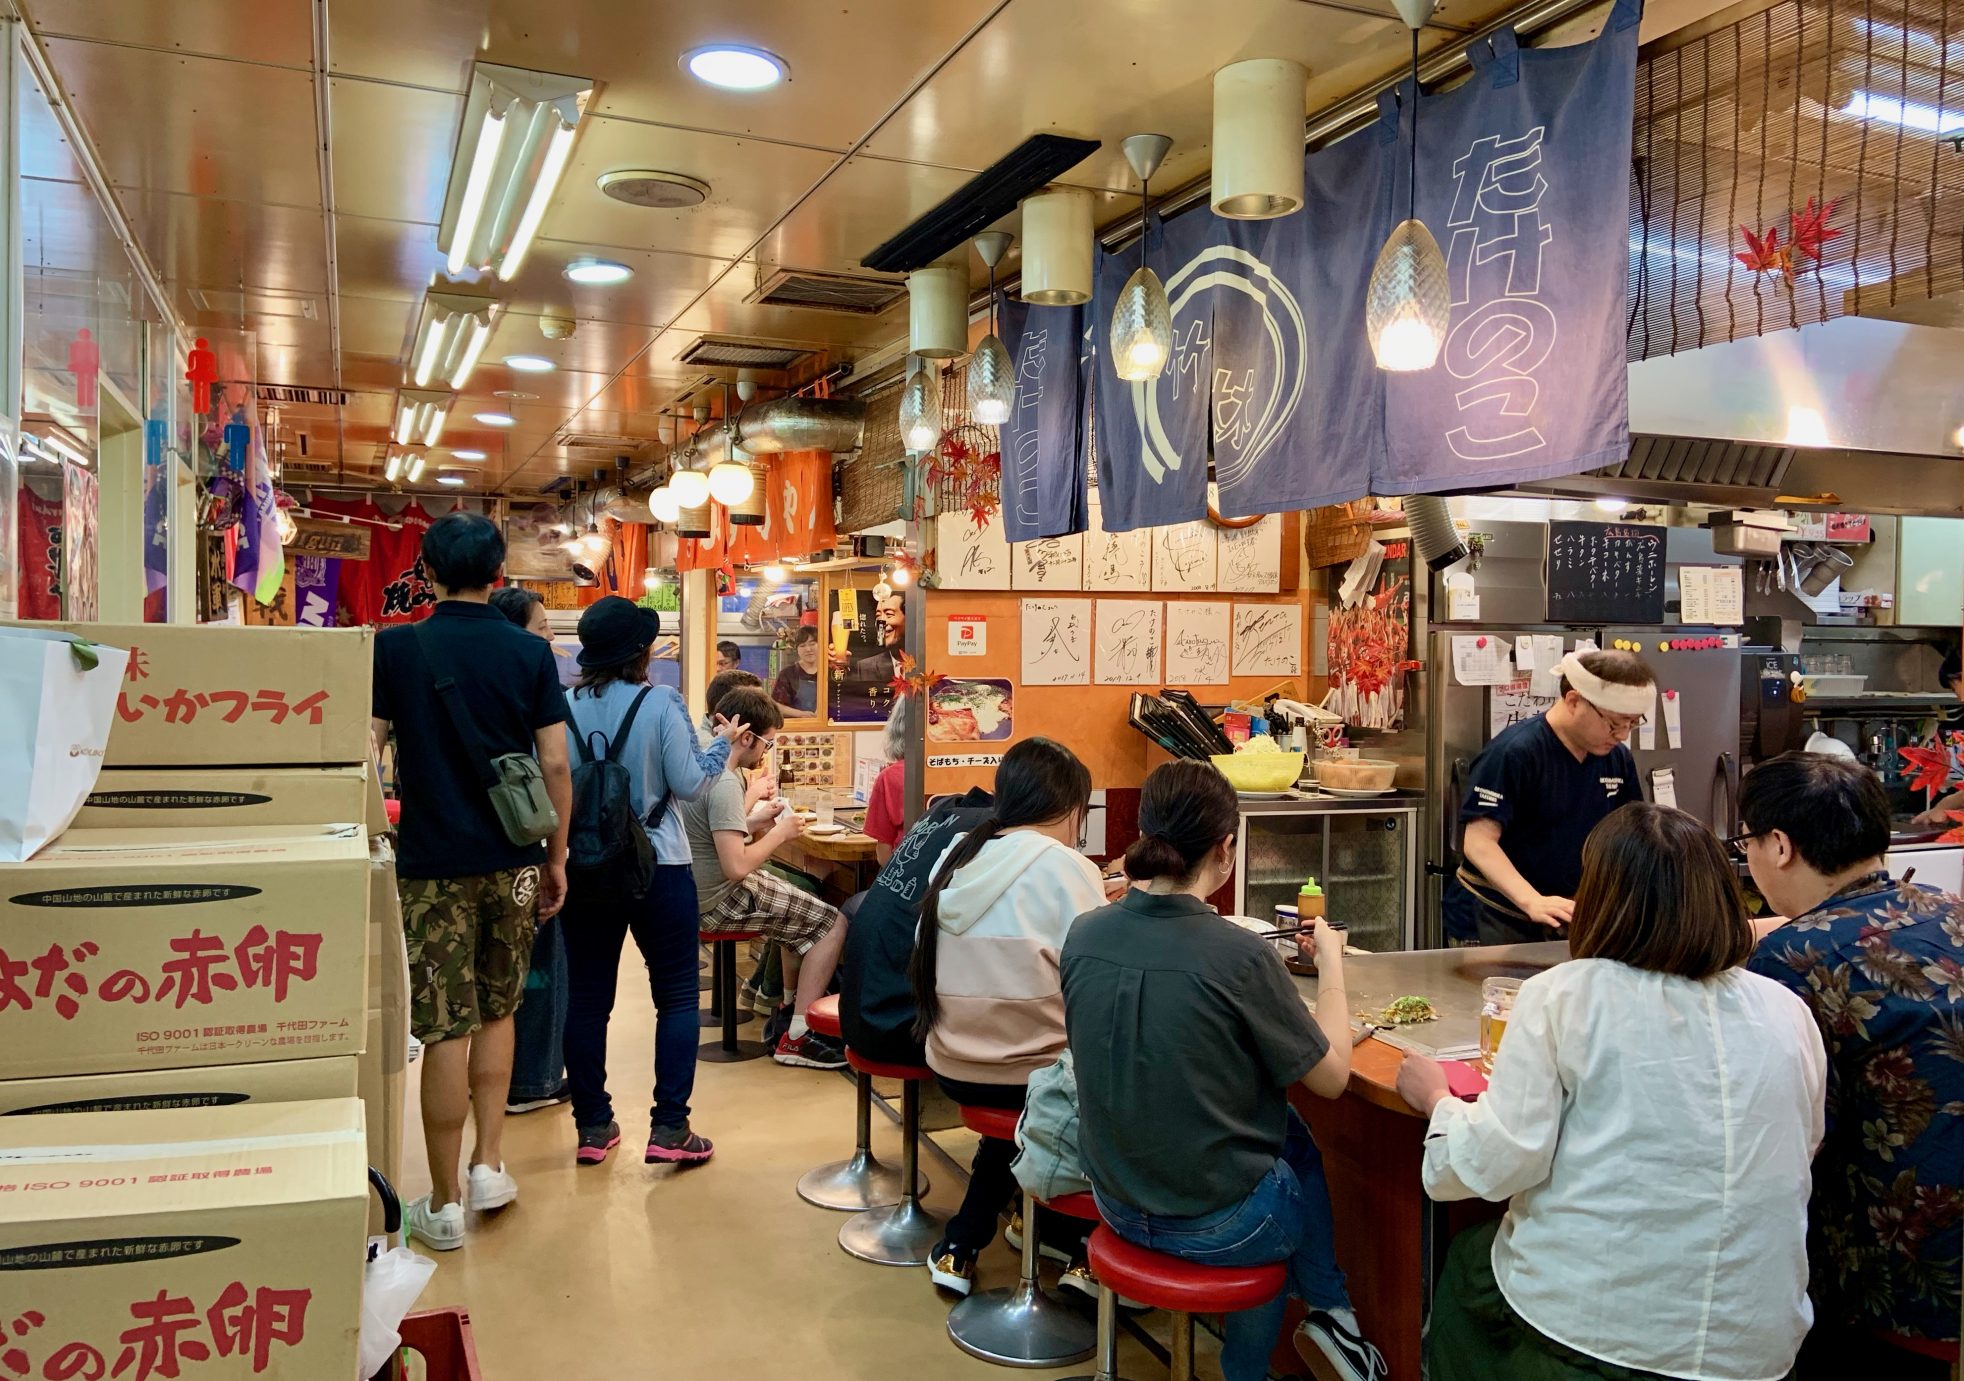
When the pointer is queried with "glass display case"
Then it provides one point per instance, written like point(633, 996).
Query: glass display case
point(1363, 853)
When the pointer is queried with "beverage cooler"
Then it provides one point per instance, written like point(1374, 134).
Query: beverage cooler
point(1364, 853)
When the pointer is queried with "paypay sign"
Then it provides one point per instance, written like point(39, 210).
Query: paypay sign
point(968, 635)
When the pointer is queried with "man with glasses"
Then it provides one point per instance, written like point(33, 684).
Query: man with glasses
point(1880, 964)
point(1541, 786)
point(729, 844)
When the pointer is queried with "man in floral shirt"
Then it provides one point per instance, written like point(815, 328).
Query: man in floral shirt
point(1881, 966)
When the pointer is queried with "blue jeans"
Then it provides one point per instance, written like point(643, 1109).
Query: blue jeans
point(538, 1062)
point(1285, 1218)
point(664, 926)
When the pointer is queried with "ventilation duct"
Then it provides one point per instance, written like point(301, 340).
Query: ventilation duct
point(764, 429)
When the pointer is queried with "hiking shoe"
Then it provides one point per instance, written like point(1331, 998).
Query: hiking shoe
point(951, 1268)
point(755, 998)
point(1322, 1335)
point(1077, 1276)
point(596, 1142)
point(1044, 1249)
point(516, 1107)
point(809, 1051)
point(677, 1146)
point(491, 1188)
point(439, 1229)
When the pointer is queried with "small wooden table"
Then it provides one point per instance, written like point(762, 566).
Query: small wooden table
point(841, 860)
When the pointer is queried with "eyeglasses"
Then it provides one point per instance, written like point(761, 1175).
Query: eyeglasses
point(764, 743)
point(1735, 845)
point(1619, 724)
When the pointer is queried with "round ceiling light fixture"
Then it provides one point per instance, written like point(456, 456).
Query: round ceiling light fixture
point(735, 66)
point(530, 364)
point(654, 191)
point(512, 395)
point(467, 455)
point(497, 419)
point(598, 272)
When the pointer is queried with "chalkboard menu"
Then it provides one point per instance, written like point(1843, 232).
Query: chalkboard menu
point(1605, 573)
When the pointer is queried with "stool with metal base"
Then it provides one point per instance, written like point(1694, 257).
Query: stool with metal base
point(901, 1234)
point(1083, 1206)
point(729, 1050)
point(862, 1182)
point(1020, 1326)
point(1179, 1287)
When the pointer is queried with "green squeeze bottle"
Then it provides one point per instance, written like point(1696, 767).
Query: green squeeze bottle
point(1309, 902)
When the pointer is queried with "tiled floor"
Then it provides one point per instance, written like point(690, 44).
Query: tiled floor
point(715, 1271)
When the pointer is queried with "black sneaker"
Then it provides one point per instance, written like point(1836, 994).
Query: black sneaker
point(809, 1051)
point(1321, 1335)
point(596, 1142)
point(677, 1146)
point(951, 1268)
point(516, 1107)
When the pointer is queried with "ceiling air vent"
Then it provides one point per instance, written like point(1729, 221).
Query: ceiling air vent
point(722, 353)
point(318, 397)
point(827, 292)
point(1695, 460)
point(594, 441)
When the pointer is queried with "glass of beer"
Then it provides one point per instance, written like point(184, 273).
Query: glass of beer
point(1496, 1006)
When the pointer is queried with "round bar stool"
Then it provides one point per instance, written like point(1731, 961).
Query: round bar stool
point(1021, 1325)
point(1179, 1287)
point(862, 1182)
point(729, 1050)
point(904, 1233)
point(1083, 1205)
point(711, 1017)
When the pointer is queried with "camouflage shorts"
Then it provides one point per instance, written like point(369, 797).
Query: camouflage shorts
point(470, 943)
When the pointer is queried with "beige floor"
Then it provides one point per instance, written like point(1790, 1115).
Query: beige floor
point(718, 1270)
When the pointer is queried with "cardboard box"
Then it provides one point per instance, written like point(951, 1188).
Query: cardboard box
point(212, 1086)
point(217, 696)
point(383, 1072)
point(221, 799)
point(162, 949)
point(223, 1241)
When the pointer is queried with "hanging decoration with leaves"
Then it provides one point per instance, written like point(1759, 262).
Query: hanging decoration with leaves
point(909, 679)
point(964, 473)
point(1939, 769)
point(1808, 233)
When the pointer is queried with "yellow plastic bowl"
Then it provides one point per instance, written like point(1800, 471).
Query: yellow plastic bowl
point(1259, 771)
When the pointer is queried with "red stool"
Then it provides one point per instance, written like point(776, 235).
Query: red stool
point(862, 1182)
point(1021, 1326)
point(1179, 1287)
point(1084, 1205)
point(723, 999)
point(901, 1234)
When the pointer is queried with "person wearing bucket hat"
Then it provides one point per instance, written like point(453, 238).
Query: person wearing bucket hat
point(646, 729)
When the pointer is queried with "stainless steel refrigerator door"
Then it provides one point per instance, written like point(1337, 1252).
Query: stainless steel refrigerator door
point(1704, 765)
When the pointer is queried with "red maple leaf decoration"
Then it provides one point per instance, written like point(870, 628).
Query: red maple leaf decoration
point(1931, 769)
point(1764, 254)
point(911, 680)
point(1811, 230)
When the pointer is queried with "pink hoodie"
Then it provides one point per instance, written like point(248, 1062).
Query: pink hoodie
point(1003, 921)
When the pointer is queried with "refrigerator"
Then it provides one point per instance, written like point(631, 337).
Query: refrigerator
point(1449, 723)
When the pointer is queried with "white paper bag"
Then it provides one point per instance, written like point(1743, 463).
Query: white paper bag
point(57, 706)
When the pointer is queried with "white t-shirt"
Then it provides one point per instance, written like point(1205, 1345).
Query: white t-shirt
point(1655, 1135)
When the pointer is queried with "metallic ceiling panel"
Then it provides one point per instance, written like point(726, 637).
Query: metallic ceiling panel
point(595, 347)
point(751, 183)
point(392, 260)
point(378, 327)
point(198, 242)
point(418, 131)
point(662, 286)
point(279, 33)
point(634, 47)
point(724, 312)
point(191, 124)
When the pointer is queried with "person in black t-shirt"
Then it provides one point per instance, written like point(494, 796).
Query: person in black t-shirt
point(1541, 786)
point(471, 899)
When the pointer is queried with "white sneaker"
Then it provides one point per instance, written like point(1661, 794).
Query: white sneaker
point(491, 1188)
point(439, 1229)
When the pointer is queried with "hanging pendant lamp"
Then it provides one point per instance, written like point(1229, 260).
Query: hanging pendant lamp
point(730, 481)
point(937, 309)
point(991, 375)
point(1142, 319)
point(920, 410)
point(1258, 139)
point(662, 504)
point(1057, 240)
point(1409, 306)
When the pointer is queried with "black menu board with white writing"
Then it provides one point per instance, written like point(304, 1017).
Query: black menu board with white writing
point(1605, 573)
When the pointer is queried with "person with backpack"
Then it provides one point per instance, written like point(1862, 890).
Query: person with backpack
point(634, 757)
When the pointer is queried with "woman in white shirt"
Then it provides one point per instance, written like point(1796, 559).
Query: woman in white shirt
point(1652, 1115)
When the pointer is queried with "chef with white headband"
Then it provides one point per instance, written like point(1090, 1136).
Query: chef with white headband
point(1541, 785)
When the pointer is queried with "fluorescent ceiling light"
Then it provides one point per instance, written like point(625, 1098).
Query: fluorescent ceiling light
point(530, 364)
point(415, 470)
point(598, 272)
point(1924, 119)
point(735, 67)
point(392, 470)
point(450, 478)
point(420, 415)
point(517, 137)
point(497, 419)
point(55, 448)
point(451, 332)
point(1613, 505)
point(467, 455)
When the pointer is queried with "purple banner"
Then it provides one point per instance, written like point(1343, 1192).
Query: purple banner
point(316, 588)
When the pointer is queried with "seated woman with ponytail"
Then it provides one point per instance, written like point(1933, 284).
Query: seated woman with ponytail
point(1187, 1034)
point(985, 969)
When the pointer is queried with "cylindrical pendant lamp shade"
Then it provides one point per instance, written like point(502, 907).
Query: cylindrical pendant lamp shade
point(750, 512)
point(1258, 138)
point(1057, 241)
point(693, 522)
point(937, 310)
